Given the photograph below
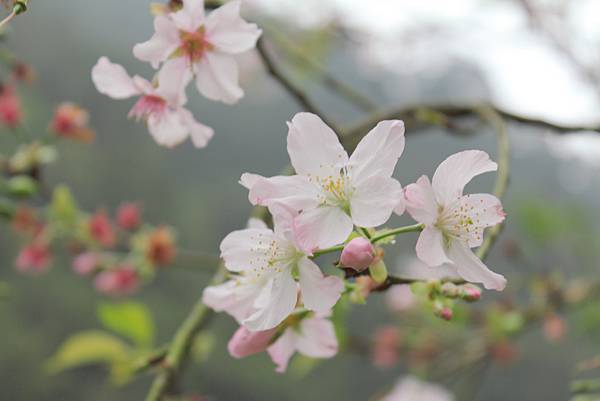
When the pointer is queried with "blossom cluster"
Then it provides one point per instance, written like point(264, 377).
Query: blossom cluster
point(336, 201)
point(187, 45)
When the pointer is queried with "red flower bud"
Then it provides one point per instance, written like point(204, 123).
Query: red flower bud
point(128, 216)
point(122, 280)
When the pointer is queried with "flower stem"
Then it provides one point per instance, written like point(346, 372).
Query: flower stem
point(396, 231)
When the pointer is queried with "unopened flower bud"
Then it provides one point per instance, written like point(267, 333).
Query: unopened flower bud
point(86, 263)
point(101, 230)
point(245, 342)
point(128, 216)
point(449, 290)
point(470, 292)
point(122, 280)
point(358, 254)
point(442, 311)
point(35, 258)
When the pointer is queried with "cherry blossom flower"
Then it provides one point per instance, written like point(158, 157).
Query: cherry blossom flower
point(101, 229)
point(454, 223)
point(190, 43)
point(386, 346)
point(265, 291)
point(86, 263)
point(11, 113)
point(313, 337)
point(71, 121)
point(161, 107)
point(118, 281)
point(128, 216)
point(412, 389)
point(34, 258)
point(331, 191)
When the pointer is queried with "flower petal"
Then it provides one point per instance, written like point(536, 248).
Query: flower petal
point(112, 80)
point(472, 269)
point(430, 247)
point(161, 45)
point(321, 227)
point(172, 80)
point(456, 171)
point(483, 210)
point(199, 133)
point(275, 302)
point(374, 200)
point(420, 201)
point(313, 147)
point(317, 338)
point(228, 32)
point(168, 128)
point(378, 152)
point(319, 293)
point(282, 350)
point(235, 297)
point(241, 249)
point(217, 77)
point(295, 192)
point(190, 17)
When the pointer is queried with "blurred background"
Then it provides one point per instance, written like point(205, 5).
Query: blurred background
point(538, 58)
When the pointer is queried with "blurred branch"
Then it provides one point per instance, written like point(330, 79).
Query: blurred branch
point(288, 85)
point(494, 118)
point(328, 79)
point(425, 115)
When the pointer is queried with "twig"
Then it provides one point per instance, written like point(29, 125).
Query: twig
point(502, 177)
point(288, 85)
point(20, 6)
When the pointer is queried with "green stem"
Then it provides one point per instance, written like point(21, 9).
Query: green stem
point(396, 231)
point(325, 251)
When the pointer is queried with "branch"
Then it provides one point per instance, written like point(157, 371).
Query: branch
point(288, 85)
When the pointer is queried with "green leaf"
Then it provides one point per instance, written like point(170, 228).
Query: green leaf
point(379, 272)
point(22, 186)
point(88, 347)
point(129, 319)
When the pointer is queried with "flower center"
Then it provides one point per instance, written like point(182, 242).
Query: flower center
point(148, 105)
point(269, 255)
point(193, 45)
point(461, 221)
point(336, 190)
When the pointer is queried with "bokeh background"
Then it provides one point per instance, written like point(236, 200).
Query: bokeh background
point(399, 53)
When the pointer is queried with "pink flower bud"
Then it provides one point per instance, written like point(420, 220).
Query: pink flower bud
point(10, 107)
point(128, 216)
point(444, 313)
point(358, 254)
point(122, 280)
point(245, 342)
point(85, 263)
point(101, 230)
point(470, 293)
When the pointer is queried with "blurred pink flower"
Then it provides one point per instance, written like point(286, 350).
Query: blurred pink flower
point(313, 337)
point(160, 107)
point(71, 121)
point(101, 230)
point(34, 258)
point(86, 263)
point(118, 281)
point(386, 346)
point(400, 298)
point(188, 43)
point(266, 293)
point(454, 223)
point(331, 191)
point(11, 112)
point(128, 216)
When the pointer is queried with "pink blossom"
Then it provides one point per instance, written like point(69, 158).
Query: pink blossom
point(412, 389)
point(11, 112)
point(128, 216)
point(101, 230)
point(34, 258)
point(331, 191)
point(265, 292)
point(358, 254)
point(121, 280)
point(188, 43)
point(161, 107)
point(86, 263)
point(400, 298)
point(245, 342)
point(313, 337)
point(71, 121)
point(454, 223)
point(386, 346)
